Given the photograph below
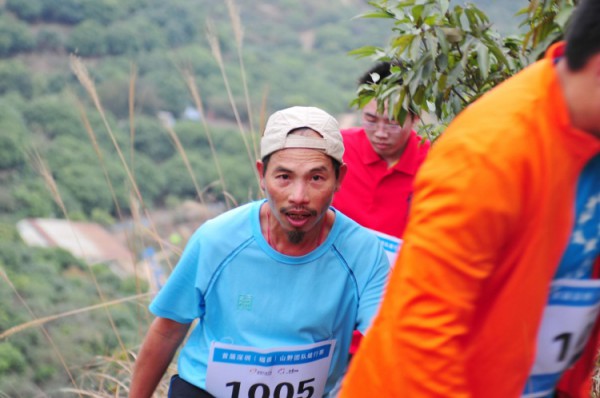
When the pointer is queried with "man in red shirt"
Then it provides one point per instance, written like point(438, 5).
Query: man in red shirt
point(382, 157)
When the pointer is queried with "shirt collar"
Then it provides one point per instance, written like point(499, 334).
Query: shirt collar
point(410, 160)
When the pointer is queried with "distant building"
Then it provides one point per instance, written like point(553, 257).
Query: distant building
point(191, 113)
point(87, 241)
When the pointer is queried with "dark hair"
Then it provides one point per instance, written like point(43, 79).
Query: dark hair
point(384, 69)
point(381, 68)
point(583, 34)
point(336, 165)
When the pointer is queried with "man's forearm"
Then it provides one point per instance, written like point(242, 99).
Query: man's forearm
point(156, 353)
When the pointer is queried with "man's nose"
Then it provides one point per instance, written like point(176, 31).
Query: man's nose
point(380, 129)
point(299, 192)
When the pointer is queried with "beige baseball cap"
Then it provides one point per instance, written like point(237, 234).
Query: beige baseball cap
point(282, 122)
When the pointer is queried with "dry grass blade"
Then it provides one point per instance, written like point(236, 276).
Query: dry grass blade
point(216, 51)
point(188, 166)
point(102, 377)
point(111, 377)
point(84, 78)
point(132, 81)
point(83, 393)
point(92, 136)
point(238, 31)
point(40, 166)
point(191, 84)
point(41, 321)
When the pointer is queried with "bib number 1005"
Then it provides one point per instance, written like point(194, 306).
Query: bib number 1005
point(281, 390)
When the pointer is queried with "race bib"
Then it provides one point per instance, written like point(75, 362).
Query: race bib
point(284, 372)
point(567, 322)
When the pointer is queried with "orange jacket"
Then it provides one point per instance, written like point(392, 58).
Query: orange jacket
point(491, 217)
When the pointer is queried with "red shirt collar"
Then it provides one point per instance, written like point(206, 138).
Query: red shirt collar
point(409, 162)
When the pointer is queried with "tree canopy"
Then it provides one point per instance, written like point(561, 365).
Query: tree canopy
point(446, 56)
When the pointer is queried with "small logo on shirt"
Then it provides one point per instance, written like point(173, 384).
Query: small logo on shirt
point(245, 302)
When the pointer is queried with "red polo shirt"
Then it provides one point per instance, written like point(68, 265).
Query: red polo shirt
point(372, 194)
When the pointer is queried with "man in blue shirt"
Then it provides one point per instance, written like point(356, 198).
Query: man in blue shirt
point(277, 285)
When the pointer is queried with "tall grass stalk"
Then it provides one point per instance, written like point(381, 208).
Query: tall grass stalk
point(191, 84)
point(238, 31)
point(213, 41)
point(131, 102)
point(83, 76)
point(39, 322)
point(88, 128)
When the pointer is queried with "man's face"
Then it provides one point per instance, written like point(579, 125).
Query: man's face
point(387, 137)
point(299, 185)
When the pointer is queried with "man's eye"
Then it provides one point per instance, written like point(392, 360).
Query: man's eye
point(317, 178)
point(283, 176)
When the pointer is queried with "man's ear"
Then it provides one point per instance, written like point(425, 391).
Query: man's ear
point(594, 64)
point(260, 169)
point(343, 171)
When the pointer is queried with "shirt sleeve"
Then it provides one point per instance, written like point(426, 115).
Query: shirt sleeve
point(180, 299)
point(370, 297)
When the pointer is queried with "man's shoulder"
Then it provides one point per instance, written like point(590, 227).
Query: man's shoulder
point(354, 234)
point(360, 248)
point(352, 134)
point(356, 143)
point(422, 144)
point(231, 219)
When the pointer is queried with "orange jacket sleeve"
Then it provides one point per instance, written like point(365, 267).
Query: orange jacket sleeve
point(464, 208)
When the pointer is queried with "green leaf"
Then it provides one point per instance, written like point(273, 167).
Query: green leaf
point(473, 23)
point(498, 54)
point(419, 95)
point(432, 45)
point(417, 12)
point(563, 16)
point(431, 20)
point(442, 62)
point(442, 81)
point(413, 83)
point(442, 41)
point(454, 74)
point(483, 59)
point(406, 3)
point(480, 15)
point(401, 114)
point(376, 14)
point(365, 51)
point(414, 50)
point(402, 42)
point(427, 69)
point(444, 5)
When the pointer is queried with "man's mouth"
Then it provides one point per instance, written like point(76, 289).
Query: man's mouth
point(298, 218)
